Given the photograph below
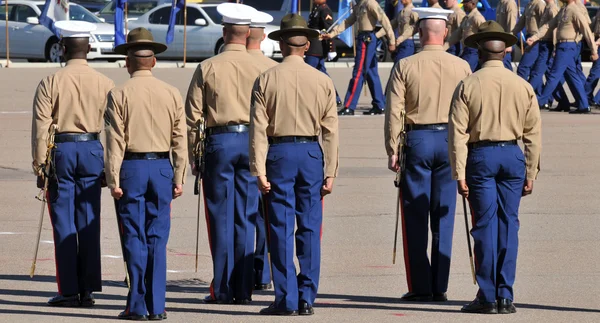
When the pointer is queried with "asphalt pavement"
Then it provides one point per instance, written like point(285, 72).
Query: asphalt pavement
point(558, 276)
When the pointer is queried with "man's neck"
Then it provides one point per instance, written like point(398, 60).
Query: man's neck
point(253, 46)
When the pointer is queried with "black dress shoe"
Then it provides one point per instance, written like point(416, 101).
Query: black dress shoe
point(243, 301)
point(440, 297)
point(263, 286)
point(545, 106)
point(506, 306)
point(209, 300)
point(132, 317)
point(374, 111)
point(560, 109)
point(64, 301)
point(305, 309)
point(580, 111)
point(158, 317)
point(87, 299)
point(414, 297)
point(346, 112)
point(272, 310)
point(480, 308)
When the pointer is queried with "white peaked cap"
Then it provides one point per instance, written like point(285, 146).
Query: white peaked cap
point(260, 19)
point(432, 13)
point(236, 13)
point(74, 29)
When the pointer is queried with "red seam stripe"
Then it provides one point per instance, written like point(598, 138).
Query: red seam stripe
point(405, 245)
point(358, 74)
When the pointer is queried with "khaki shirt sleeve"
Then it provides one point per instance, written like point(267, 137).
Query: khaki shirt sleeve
point(458, 137)
point(259, 121)
point(410, 29)
point(179, 142)
point(330, 133)
point(546, 28)
point(455, 37)
point(347, 23)
point(512, 14)
point(115, 138)
point(194, 110)
point(42, 119)
point(519, 26)
point(394, 109)
point(381, 32)
point(385, 22)
point(584, 28)
point(532, 138)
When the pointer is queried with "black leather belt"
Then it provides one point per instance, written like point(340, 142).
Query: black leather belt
point(75, 137)
point(292, 139)
point(436, 126)
point(488, 143)
point(227, 129)
point(146, 156)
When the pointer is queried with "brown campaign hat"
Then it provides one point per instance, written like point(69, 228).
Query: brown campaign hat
point(140, 37)
point(490, 30)
point(293, 23)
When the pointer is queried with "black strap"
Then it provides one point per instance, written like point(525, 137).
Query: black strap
point(238, 128)
point(292, 139)
point(75, 137)
point(488, 143)
point(146, 156)
point(436, 126)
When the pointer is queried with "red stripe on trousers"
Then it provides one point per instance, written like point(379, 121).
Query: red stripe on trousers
point(405, 245)
point(55, 259)
point(358, 74)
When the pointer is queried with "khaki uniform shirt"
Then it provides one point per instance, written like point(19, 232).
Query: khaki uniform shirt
point(367, 13)
point(262, 60)
point(455, 19)
point(468, 27)
point(74, 99)
point(550, 11)
point(293, 99)
point(506, 14)
point(530, 20)
point(405, 22)
point(421, 85)
point(497, 105)
point(585, 13)
point(569, 24)
point(220, 91)
point(145, 115)
point(436, 5)
point(596, 25)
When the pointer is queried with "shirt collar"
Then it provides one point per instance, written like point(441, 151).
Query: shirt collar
point(234, 48)
point(77, 62)
point(142, 73)
point(293, 59)
point(255, 51)
point(493, 63)
point(473, 12)
point(410, 6)
point(433, 48)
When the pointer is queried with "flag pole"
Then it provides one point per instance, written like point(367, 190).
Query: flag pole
point(184, 32)
point(126, 31)
point(7, 41)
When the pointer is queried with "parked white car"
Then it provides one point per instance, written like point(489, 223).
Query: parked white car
point(204, 31)
point(34, 42)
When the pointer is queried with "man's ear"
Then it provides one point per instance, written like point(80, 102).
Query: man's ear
point(446, 33)
point(264, 36)
point(153, 61)
point(307, 46)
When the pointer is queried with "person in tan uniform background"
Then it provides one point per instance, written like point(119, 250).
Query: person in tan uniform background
point(292, 104)
point(530, 21)
point(427, 189)
point(366, 14)
point(594, 75)
point(491, 110)
point(219, 96)
point(467, 27)
point(434, 4)
point(545, 44)
point(405, 22)
point(569, 23)
point(74, 99)
point(147, 128)
point(454, 21)
point(262, 272)
point(506, 15)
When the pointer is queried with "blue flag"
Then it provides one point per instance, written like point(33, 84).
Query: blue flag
point(294, 6)
point(54, 10)
point(120, 22)
point(344, 12)
point(177, 6)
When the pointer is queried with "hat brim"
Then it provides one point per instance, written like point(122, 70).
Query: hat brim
point(157, 48)
point(508, 39)
point(310, 33)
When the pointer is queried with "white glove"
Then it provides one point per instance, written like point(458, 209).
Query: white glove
point(331, 56)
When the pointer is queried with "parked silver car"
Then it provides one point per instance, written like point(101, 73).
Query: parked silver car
point(34, 42)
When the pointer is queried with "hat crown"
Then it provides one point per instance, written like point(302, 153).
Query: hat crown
point(293, 20)
point(490, 26)
point(139, 35)
point(432, 13)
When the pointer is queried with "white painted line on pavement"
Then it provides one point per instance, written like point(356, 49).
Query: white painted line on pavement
point(111, 256)
point(47, 241)
point(9, 233)
point(15, 112)
point(178, 271)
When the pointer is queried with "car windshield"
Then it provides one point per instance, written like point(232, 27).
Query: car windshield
point(134, 8)
point(213, 14)
point(78, 13)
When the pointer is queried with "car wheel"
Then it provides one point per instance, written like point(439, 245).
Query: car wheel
point(53, 51)
point(382, 53)
point(220, 46)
